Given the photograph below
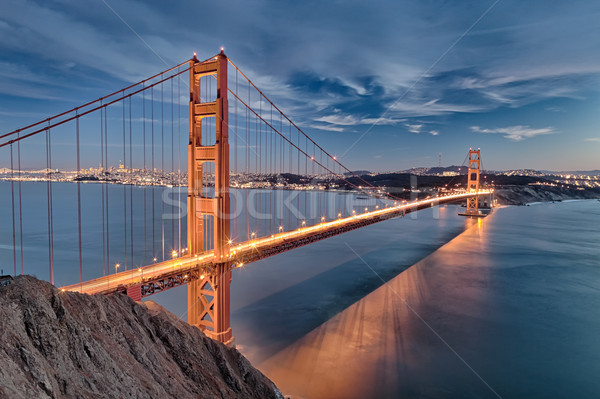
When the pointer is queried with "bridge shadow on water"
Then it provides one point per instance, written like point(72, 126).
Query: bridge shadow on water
point(268, 325)
point(379, 346)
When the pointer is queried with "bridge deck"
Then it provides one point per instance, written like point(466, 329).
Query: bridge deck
point(168, 274)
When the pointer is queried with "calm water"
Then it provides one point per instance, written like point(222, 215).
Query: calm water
point(506, 306)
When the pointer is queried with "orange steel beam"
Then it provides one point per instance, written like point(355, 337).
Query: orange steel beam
point(209, 296)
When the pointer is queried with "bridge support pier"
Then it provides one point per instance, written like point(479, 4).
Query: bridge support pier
point(209, 305)
point(209, 296)
point(473, 203)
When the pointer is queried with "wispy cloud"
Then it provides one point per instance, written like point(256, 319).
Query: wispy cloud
point(516, 133)
point(343, 120)
point(434, 132)
point(415, 128)
point(597, 139)
point(331, 128)
point(351, 120)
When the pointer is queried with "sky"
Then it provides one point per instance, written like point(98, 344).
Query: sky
point(384, 85)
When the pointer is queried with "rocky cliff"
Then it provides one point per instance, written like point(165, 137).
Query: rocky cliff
point(67, 345)
point(521, 195)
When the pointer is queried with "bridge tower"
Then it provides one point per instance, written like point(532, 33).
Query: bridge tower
point(473, 182)
point(209, 295)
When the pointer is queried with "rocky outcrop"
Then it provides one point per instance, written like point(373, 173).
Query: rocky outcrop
point(67, 345)
point(521, 195)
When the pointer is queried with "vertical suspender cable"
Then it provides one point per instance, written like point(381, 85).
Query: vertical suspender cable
point(248, 125)
point(130, 188)
point(172, 168)
point(12, 192)
point(144, 190)
point(79, 203)
point(179, 162)
point(49, 194)
point(102, 188)
point(235, 157)
point(107, 191)
point(162, 157)
point(20, 201)
point(124, 191)
point(153, 176)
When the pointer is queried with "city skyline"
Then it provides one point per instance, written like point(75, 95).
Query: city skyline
point(518, 80)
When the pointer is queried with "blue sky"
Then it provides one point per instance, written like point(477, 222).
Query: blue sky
point(385, 85)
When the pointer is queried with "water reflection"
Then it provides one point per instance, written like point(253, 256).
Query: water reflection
point(382, 345)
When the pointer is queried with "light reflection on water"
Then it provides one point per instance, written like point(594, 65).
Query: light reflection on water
point(378, 344)
point(515, 296)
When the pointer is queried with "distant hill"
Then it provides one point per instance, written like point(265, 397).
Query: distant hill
point(453, 168)
point(358, 173)
point(581, 172)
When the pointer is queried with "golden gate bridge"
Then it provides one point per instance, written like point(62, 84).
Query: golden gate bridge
point(141, 126)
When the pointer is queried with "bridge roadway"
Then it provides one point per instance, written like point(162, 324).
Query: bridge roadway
point(161, 276)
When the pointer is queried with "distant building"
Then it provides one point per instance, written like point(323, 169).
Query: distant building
point(449, 173)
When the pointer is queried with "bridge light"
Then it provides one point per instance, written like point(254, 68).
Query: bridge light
point(222, 48)
point(202, 276)
point(280, 229)
point(139, 269)
point(63, 290)
point(339, 215)
point(154, 259)
point(194, 54)
point(334, 158)
point(366, 209)
point(185, 276)
point(304, 223)
point(229, 242)
point(322, 218)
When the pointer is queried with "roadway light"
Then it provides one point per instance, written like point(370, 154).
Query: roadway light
point(139, 269)
point(229, 242)
point(339, 215)
point(304, 223)
point(322, 218)
point(280, 229)
point(154, 259)
point(117, 267)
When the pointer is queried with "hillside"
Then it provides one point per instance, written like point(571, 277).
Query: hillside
point(67, 345)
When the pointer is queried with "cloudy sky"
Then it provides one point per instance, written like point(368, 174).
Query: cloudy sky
point(385, 85)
